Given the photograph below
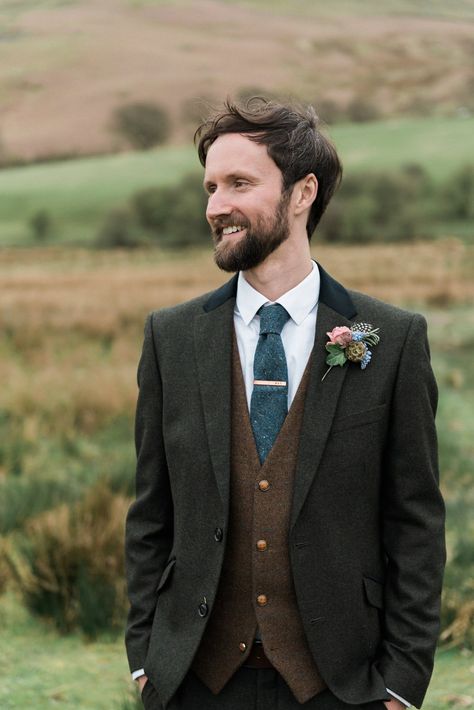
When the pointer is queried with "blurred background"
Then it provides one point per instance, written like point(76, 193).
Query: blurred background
point(102, 220)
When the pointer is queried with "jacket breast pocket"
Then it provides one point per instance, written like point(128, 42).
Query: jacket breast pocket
point(166, 574)
point(357, 419)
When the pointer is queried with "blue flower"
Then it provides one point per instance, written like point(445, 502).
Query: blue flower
point(357, 335)
point(366, 359)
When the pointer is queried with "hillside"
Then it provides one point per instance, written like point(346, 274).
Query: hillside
point(65, 65)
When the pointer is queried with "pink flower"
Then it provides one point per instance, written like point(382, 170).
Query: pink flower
point(342, 335)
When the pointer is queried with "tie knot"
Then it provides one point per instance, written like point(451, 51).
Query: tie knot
point(272, 318)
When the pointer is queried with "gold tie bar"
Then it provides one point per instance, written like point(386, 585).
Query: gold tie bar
point(274, 383)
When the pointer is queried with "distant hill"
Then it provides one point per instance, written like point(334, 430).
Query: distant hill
point(66, 64)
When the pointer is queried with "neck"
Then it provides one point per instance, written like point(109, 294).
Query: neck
point(284, 269)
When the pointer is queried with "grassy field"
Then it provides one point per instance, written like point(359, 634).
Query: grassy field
point(72, 325)
point(78, 193)
point(43, 670)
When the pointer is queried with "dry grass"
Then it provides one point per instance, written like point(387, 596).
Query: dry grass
point(73, 320)
point(59, 84)
point(70, 564)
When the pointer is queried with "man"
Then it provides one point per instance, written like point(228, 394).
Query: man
point(286, 546)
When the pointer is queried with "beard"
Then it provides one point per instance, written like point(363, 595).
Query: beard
point(260, 240)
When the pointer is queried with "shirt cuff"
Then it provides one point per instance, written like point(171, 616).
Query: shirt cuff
point(398, 697)
point(141, 671)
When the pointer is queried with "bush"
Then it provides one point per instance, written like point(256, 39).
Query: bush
point(459, 194)
point(380, 206)
point(69, 565)
point(119, 229)
point(361, 110)
point(174, 216)
point(23, 497)
point(40, 223)
point(143, 124)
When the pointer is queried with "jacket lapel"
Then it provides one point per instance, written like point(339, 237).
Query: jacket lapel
point(213, 349)
point(320, 407)
point(335, 309)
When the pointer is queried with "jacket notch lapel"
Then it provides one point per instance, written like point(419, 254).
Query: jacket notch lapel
point(320, 407)
point(213, 351)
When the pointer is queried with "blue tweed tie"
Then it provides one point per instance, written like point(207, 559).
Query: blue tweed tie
point(269, 402)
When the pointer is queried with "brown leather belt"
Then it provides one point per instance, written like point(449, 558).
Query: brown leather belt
point(257, 657)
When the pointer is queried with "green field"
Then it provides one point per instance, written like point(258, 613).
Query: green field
point(78, 193)
point(42, 670)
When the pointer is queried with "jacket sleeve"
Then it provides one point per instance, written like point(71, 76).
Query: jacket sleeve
point(413, 524)
point(149, 525)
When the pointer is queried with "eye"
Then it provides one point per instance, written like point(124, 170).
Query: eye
point(240, 183)
point(209, 189)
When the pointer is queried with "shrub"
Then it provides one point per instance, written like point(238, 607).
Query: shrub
point(174, 215)
point(69, 565)
point(379, 206)
point(23, 497)
point(361, 110)
point(143, 124)
point(459, 194)
point(119, 229)
point(40, 223)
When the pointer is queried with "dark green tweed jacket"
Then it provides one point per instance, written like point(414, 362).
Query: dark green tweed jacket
point(366, 534)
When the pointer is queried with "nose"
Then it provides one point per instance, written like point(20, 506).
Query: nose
point(217, 205)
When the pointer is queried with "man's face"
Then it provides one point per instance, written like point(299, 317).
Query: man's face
point(247, 211)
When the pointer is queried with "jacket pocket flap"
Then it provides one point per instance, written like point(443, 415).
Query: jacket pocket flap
point(166, 573)
point(359, 418)
point(374, 592)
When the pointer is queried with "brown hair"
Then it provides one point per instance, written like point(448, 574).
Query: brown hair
point(293, 140)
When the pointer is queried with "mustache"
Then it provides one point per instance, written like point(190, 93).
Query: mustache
point(220, 223)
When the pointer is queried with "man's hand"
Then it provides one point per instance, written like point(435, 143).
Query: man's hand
point(141, 680)
point(393, 704)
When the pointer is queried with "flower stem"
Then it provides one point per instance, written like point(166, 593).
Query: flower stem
point(327, 371)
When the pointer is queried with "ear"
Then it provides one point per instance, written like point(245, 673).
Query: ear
point(305, 192)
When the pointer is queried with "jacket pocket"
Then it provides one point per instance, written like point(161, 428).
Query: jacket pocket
point(166, 574)
point(374, 592)
point(368, 416)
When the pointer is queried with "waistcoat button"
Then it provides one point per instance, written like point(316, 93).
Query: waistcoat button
point(262, 599)
point(262, 545)
point(264, 485)
point(242, 646)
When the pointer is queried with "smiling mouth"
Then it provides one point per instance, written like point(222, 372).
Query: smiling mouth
point(233, 229)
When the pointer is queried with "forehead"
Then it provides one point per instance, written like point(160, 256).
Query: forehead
point(233, 153)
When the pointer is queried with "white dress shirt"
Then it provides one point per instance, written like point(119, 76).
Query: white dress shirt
point(297, 335)
point(301, 302)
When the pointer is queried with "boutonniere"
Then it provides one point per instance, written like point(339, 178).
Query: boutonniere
point(350, 344)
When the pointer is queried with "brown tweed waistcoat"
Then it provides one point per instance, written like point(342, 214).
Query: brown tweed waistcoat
point(259, 514)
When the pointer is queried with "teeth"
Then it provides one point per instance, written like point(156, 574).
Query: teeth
point(231, 230)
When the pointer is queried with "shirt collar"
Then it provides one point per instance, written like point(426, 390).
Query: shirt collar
point(299, 301)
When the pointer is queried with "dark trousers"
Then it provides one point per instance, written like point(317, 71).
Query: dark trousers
point(248, 689)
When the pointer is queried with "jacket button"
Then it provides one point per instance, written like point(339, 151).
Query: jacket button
point(218, 534)
point(242, 647)
point(264, 485)
point(261, 545)
point(203, 609)
point(262, 599)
